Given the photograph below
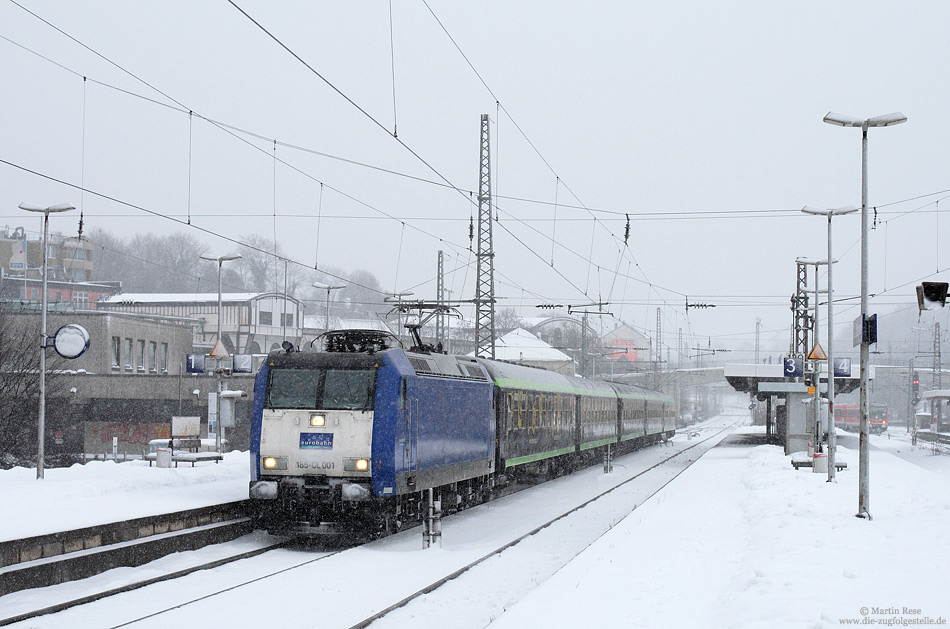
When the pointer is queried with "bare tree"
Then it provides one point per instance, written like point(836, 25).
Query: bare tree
point(263, 267)
point(19, 379)
point(152, 263)
point(506, 320)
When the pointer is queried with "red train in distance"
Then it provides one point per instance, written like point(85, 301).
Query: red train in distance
point(848, 417)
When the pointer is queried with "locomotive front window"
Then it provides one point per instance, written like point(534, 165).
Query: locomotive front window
point(350, 389)
point(293, 388)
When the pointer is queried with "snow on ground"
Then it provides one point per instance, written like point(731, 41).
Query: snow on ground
point(101, 492)
point(740, 539)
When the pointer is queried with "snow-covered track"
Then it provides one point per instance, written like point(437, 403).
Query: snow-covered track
point(697, 450)
point(45, 560)
point(177, 574)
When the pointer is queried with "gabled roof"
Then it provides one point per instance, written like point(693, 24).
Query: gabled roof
point(521, 345)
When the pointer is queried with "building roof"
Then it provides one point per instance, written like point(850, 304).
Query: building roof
point(187, 298)
point(521, 345)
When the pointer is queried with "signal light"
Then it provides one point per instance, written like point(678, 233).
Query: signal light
point(931, 295)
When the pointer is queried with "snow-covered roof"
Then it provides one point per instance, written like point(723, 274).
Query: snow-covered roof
point(169, 298)
point(521, 345)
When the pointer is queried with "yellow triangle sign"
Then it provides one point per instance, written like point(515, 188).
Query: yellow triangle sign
point(219, 351)
point(817, 353)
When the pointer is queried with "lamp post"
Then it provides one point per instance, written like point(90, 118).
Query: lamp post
point(328, 289)
point(816, 401)
point(44, 339)
point(218, 429)
point(832, 436)
point(886, 120)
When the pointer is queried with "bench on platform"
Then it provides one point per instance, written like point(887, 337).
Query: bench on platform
point(806, 463)
point(180, 456)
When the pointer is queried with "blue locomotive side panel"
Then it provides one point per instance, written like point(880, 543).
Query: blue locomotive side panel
point(388, 415)
point(429, 430)
point(260, 383)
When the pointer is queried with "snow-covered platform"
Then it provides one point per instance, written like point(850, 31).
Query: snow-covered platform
point(748, 541)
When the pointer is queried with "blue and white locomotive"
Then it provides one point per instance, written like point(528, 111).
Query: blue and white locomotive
point(354, 436)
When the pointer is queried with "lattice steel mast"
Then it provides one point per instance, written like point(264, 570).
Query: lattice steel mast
point(440, 297)
point(485, 255)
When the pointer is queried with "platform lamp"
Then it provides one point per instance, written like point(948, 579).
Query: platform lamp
point(218, 427)
point(886, 120)
point(44, 338)
point(832, 437)
point(328, 288)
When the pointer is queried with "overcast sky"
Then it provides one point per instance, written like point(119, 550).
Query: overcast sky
point(701, 121)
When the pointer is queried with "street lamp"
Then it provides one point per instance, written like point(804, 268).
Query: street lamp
point(832, 437)
point(218, 429)
point(328, 289)
point(864, 444)
point(44, 339)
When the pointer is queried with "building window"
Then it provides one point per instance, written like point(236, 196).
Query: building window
point(128, 354)
point(116, 352)
point(57, 295)
point(140, 356)
point(265, 318)
point(163, 357)
point(51, 252)
point(152, 356)
point(81, 299)
point(289, 319)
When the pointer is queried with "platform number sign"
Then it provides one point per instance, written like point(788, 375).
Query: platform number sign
point(195, 363)
point(842, 367)
point(793, 367)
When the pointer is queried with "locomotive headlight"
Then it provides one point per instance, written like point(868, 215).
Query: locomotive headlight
point(355, 465)
point(318, 421)
point(274, 463)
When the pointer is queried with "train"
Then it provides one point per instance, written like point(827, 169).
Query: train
point(848, 417)
point(356, 436)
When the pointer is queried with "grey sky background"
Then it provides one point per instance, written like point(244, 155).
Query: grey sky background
point(702, 121)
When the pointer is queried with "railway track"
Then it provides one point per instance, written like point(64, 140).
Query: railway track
point(57, 558)
point(504, 570)
point(597, 514)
